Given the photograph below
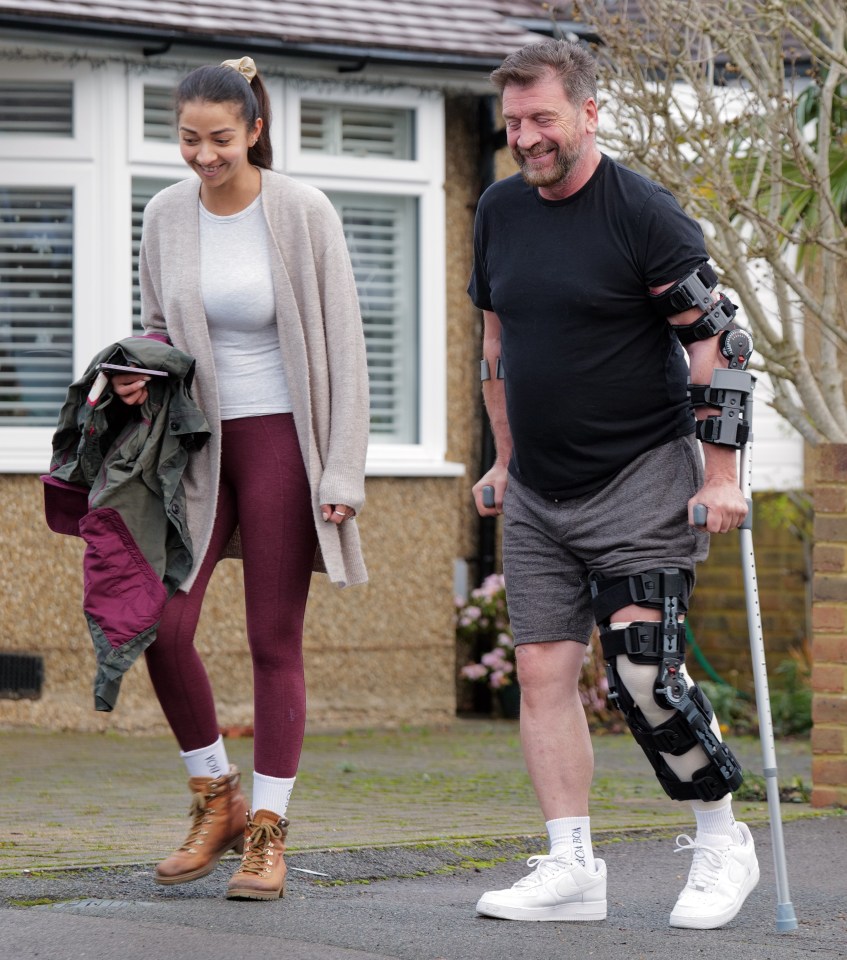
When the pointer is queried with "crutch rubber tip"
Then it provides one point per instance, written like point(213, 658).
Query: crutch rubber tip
point(785, 918)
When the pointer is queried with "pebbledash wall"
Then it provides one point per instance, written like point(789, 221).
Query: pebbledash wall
point(379, 655)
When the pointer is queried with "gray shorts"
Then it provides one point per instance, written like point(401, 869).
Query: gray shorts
point(637, 522)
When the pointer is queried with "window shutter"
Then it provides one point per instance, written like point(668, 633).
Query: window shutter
point(381, 234)
point(143, 188)
point(355, 131)
point(159, 124)
point(36, 303)
point(37, 108)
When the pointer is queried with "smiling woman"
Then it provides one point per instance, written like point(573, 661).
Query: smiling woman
point(227, 274)
point(214, 142)
point(224, 121)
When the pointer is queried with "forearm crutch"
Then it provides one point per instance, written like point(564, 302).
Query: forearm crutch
point(785, 916)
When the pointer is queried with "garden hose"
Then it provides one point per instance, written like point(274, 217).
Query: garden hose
point(710, 671)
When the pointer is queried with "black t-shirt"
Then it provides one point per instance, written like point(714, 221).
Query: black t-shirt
point(593, 375)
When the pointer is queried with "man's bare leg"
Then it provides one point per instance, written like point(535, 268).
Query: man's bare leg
point(560, 760)
point(554, 732)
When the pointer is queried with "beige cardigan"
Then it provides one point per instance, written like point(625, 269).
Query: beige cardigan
point(322, 342)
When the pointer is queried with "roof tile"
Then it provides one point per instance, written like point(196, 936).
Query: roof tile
point(441, 28)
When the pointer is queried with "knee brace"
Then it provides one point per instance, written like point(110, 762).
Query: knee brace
point(662, 643)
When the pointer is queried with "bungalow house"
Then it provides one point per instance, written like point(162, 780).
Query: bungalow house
point(386, 107)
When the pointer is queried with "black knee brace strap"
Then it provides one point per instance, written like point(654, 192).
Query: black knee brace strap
point(662, 643)
point(719, 776)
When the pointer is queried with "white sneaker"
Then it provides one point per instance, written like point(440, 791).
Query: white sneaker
point(557, 889)
point(721, 877)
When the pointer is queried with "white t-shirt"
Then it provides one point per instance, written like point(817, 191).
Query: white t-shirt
point(238, 297)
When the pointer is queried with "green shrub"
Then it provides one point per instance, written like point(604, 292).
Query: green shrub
point(735, 712)
point(791, 698)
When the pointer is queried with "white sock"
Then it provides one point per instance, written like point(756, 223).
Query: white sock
point(715, 819)
point(570, 837)
point(208, 761)
point(272, 793)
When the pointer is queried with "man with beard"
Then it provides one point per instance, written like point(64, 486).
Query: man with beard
point(584, 271)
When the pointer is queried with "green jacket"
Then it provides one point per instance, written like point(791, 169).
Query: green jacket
point(116, 480)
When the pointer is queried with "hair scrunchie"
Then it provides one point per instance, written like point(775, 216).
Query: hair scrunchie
point(245, 66)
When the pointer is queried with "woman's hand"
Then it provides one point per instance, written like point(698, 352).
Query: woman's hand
point(337, 513)
point(130, 388)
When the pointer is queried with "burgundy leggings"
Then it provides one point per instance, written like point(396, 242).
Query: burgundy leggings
point(265, 492)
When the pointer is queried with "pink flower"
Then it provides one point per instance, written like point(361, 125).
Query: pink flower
point(474, 671)
point(470, 614)
point(491, 587)
point(494, 658)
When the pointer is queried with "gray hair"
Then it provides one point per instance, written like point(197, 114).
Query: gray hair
point(575, 67)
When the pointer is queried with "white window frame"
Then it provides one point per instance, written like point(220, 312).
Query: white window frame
point(428, 115)
point(81, 145)
point(423, 179)
point(140, 150)
point(108, 149)
point(24, 448)
point(402, 390)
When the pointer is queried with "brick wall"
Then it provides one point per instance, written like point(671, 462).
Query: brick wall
point(829, 623)
point(718, 616)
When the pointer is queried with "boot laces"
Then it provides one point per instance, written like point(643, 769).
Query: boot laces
point(261, 837)
point(706, 866)
point(198, 812)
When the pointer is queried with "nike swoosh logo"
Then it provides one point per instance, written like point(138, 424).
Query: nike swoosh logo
point(569, 897)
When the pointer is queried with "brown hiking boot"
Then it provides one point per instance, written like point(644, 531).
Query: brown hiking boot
point(261, 875)
point(218, 813)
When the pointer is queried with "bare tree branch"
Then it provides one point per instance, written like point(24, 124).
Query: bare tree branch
point(712, 99)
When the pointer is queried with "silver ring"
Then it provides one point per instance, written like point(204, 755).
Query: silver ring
point(340, 514)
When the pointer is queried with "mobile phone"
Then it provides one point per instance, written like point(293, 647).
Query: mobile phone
point(120, 368)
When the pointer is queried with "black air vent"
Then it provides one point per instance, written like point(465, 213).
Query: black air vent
point(21, 676)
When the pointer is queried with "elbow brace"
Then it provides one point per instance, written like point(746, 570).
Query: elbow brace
point(731, 390)
point(692, 291)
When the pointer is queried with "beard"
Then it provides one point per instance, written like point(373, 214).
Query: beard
point(565, 160)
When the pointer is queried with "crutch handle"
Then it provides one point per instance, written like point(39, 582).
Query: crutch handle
point(701, 512)
point(488, 496)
